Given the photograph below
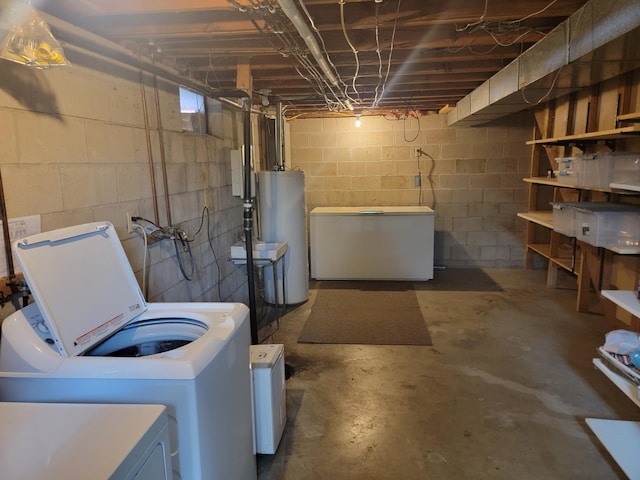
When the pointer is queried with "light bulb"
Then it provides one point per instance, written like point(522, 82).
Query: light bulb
point(358, 122)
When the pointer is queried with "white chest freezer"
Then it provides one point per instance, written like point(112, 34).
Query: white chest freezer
point(372, 243)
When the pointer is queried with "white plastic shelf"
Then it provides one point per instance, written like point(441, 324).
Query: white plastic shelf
point(626, 299)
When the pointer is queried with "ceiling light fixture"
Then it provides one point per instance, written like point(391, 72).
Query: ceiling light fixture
point(358, 122)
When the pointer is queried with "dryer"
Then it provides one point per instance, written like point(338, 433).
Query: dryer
point(90, 337)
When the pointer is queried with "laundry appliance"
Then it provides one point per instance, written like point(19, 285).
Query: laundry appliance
point(90, 337)
point(52, 441)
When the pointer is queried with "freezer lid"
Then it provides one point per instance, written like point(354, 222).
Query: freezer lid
point(373, 210)
point(82, 282)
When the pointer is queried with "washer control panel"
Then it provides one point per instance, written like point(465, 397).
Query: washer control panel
point(34, 317)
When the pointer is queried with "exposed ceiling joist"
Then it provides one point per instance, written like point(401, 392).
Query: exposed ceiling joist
point(424, 55)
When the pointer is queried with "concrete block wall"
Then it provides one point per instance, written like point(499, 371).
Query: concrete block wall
point(73, 149)
point(471, 177)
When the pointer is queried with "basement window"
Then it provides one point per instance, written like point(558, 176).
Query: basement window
point(193, 111)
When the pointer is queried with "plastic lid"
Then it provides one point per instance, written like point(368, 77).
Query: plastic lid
point(82, 282)
point(265, 356)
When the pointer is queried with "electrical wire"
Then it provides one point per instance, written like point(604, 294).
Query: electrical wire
point(206, 213)
point(533, 14)
point(353, 49)
point(178, 236)
point(404, 123)
point(182, 247)
point(544, 97)
point(498, 42)
point(324, 47)
point(213, 251)
point(480, 20)
point(391, 46)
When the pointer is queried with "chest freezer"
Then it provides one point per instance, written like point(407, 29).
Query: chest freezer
point(372, 243)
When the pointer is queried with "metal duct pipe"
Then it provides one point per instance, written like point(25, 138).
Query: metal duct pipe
point(290, 10)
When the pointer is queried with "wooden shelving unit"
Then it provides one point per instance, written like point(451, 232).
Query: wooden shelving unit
point(554, 122)
point(604, 136)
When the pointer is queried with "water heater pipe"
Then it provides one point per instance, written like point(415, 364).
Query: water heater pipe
point(279, 137)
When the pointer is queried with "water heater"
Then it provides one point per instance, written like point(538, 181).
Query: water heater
point(283, 217)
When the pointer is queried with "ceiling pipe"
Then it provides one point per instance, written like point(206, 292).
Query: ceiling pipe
point(291, 11)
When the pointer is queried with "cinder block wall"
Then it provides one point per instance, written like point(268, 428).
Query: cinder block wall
point(471, 177)
point(73, 149)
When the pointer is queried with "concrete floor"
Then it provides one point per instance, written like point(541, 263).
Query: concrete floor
point(503, 393)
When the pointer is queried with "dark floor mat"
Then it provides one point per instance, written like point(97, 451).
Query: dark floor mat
point(370, 313)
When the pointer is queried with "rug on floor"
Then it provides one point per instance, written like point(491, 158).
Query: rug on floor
point(366, 312)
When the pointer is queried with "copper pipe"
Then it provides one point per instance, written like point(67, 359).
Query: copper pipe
point(147, 131)
point(163, 160)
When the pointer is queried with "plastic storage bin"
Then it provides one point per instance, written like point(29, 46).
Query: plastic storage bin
point(600, 170)
point(626, 169)
point(564, 218)
point(568, 170)
point(564, 215)
point(612, 225)
point(595, 171)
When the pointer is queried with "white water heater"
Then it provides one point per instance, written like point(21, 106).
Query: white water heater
point(283, 217)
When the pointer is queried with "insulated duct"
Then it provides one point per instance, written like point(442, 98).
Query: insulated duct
point(599, 41)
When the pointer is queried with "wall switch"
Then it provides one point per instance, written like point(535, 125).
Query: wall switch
point(416, 180)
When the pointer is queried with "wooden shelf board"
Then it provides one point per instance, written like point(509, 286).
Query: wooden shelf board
point(541, 218)
point(543, 249)
point(616, 134)
point(628, 117)
point(618, 188)
point(566, 263)
point(553, 182)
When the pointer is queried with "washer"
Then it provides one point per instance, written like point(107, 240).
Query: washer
point(80, 441)
point(90, 337)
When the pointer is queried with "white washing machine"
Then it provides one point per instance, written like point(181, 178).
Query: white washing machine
point(51, 441)
point(90, 337)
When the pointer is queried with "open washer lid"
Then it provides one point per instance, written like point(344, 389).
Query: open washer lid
point(82, 282)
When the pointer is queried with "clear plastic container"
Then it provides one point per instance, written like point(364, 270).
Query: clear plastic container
point(609, 225)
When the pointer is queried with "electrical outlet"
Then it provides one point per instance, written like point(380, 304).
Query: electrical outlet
point(417, 151)
point(416, 180)
point(130, 223)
